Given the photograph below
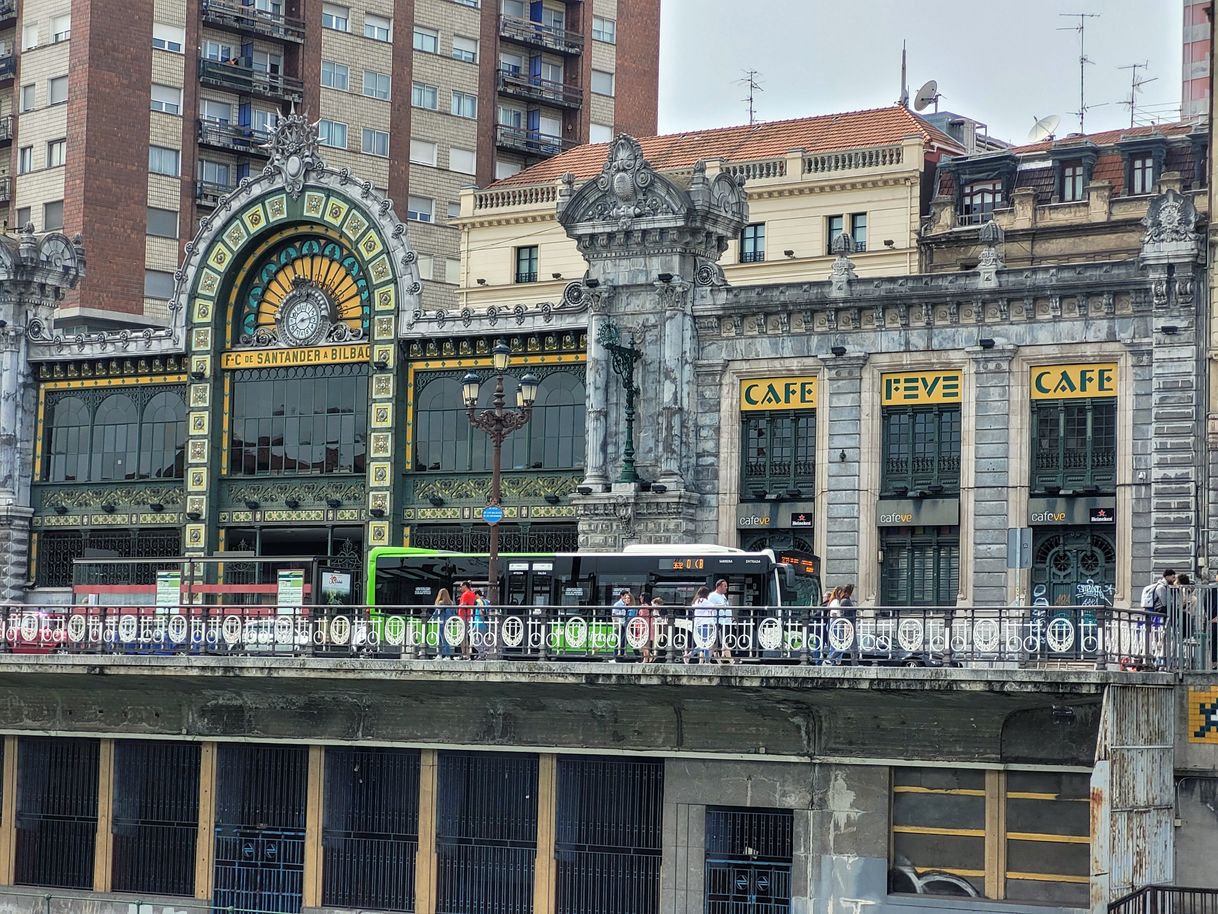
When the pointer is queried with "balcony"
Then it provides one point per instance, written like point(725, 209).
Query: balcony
point(237, 17)
point(8, 12)
point(6, 189)
point(8, 67)
point(530, 142)
point(246, 80)
point(6, 129)
point(244, 140)
point(537, 35)
point(519, 85)
point(209, 195)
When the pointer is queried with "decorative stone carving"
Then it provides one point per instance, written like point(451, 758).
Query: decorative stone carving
point(990, 261)
point(293, 147)
point(841, 274)
point(1171, 218)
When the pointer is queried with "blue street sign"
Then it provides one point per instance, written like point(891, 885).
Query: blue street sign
point(492, 514)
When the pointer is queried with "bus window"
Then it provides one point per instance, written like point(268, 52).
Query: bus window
point(516, 592)
point(675, 592)
point(541, 583)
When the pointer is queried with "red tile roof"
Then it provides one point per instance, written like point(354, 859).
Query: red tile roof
point(1107, 137)
point(749, 142)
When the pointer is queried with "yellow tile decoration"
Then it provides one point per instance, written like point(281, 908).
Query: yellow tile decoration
point(196, 536)
point(355, 225)
point(382, 386)
point(198, 423)
point(379, 474)
point(196, 451)
point(378, 533)
point(314, 203)
point(371, 245)
point(382, 415)
point(1203, 715)
point(201, 338)
point(220, 257)
point(200, 396)
point(254, 218)
point(381, 444)
point(383, 354)
point(380, 270)
point(383, 328)
point(202, 314)
point(386, 298)
point(336, 209)
point(235, 235)
point(196, 480)
point(209, 282)
point(277, 208)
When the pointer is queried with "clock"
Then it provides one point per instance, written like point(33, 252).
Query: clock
point(305, 317)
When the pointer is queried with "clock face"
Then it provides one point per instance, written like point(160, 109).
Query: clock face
point(304, 317)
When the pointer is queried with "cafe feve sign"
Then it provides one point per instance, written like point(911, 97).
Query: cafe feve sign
point(757, 394)
point(1074, 382)
point(912, 388)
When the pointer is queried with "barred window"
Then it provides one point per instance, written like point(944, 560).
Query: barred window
point(921, 450)
point(1075, 444)
point(155, 818)
point(56, 811)
point(779, 453)
point(921, 566)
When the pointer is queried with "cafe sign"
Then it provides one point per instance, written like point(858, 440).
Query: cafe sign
point(1074, 382)
point(758, 394)
point(913, 388)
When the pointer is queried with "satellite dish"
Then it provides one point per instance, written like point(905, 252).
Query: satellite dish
point(928, 94)
point(1043, 128)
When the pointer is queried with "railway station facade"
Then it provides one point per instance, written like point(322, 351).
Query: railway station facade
point(304, 401)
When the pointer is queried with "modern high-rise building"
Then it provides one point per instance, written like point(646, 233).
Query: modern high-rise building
point(1195, 61)
point(129, 120)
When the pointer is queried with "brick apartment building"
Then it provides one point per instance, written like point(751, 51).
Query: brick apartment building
point(128, 120)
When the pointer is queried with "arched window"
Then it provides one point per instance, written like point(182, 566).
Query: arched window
point(68, 454)
point(557, 427)
point(163, 437)
point(116, 439)
point(442, 430)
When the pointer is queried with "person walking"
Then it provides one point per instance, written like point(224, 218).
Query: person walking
point(705, 615)
point(723, 617)
point(445, 610)
point(465, 610)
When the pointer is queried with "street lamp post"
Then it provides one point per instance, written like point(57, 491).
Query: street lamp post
point(624, 357)
point(498, 422)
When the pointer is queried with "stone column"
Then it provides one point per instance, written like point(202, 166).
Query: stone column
point(991, 444)
point(842, 559)
point(597, 373)
point(675, 379)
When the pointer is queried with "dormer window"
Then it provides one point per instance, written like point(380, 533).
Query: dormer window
point(1073, 178)
point(1142, 174)
point(979, 200)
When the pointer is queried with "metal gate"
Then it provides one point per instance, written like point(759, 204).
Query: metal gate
point(1073, 566)
point(260, 828)
point(748, 861)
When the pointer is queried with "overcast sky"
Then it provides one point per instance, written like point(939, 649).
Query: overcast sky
point(1003, 63)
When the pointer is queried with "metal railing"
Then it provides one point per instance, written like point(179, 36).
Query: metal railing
point(8, 9)
point(6, 189)
point(546, 36)
point(230, 136)
point(531, 141)
point(249, 80)
point(512, 82)
point(240, 17)
point(1167, 899)
point(1100, 637)
point(209, 194)
point(8, 66)
point(6, 128)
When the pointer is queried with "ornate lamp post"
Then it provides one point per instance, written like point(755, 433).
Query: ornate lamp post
point(624, 357)
point(498, 422)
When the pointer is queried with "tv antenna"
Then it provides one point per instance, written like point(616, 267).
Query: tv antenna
point(1135, 85)
point(927, 95)
point(1083, 60)
point(750, 80)
point(1043, 128)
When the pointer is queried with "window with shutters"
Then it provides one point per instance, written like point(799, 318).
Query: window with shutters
point(921, 450)
point(921, 566)
point(1074, 444)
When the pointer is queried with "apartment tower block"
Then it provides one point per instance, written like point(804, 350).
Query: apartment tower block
point(129, 120)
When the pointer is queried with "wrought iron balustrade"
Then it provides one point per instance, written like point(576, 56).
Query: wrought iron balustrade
point(536, 33)
point(752, 256)
point(233, 137)
point(1074, 468)
point(1025, 637)
point(521, 85)
point(6, 189)
point(247, 19)
point(922, 472)
point(249, 80)
point(8, 67)
point(6, 128)
point(208, 193)
point(531, 142)
point(8, 10)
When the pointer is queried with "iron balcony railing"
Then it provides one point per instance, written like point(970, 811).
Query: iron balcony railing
point(1100, 637)
point(250, 81)
point(530, 142)
point(209, 194)
point(229, 136)
point(1074, 468)
point(521, 85)
point(752, 256)
point(6, 129)
point(248, 20)
point(6, 189)
point(8, 10)
point(1167, 899)
point(8, 67)
point(544, 36)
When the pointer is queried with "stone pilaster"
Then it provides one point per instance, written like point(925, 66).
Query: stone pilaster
point(845, 383)
point(991, 455)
